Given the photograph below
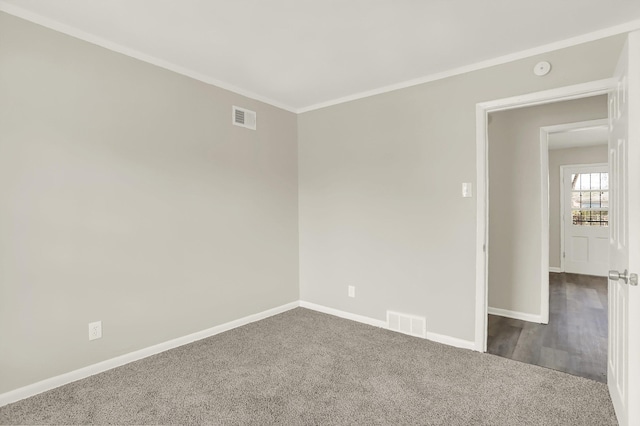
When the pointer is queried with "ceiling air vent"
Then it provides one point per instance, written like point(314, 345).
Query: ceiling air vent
point(244, 118)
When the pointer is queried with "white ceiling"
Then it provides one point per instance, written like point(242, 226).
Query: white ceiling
point(590, 136)
point(299, 54)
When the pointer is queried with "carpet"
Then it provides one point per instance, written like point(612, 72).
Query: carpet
point(304, 367)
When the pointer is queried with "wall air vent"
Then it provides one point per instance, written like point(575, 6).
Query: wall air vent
point(407, 324)
point(244, 118)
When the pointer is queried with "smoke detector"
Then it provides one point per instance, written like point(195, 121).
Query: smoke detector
point(542, 68)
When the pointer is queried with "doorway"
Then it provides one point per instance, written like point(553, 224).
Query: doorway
point(519, 299)
point(623, 374)
point(573, 144)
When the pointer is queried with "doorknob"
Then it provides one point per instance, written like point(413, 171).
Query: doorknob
point(628, 278)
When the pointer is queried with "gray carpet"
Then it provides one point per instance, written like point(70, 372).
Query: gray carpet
point(304, 367)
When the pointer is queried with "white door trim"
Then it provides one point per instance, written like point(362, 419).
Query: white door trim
point(634, 232)
point(483, 109)
point(578, 125)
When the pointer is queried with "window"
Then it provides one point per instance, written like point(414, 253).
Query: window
point(590, 199)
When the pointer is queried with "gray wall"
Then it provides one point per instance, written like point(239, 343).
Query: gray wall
point(557, 158)
point(380, 197)
point(515, 225)
point(127, 196)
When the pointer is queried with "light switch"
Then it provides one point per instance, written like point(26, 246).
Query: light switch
point(467, 190)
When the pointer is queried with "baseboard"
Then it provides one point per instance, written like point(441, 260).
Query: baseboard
point(515, 315)
point(555, 269)
point(343, 314)
point(440, 338)
point(451, 341)
point(72, 376)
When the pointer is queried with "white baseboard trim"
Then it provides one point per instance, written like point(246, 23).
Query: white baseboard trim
point(343, 314)
point(451, 341)
point(435, 337)
point(81, 373)
point(555, 269)
point(515, 315)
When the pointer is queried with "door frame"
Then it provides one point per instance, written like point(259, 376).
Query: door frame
point(545, 132)
point(633, 177)
point(566, 93)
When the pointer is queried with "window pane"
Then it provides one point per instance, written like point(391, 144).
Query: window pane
point(587, 199)
point(575, 200)
point(577, 217)
point(593, 201)
point(590, 181)
point(575, 181)
point(599, 218)
point(590, 217)
point(583, 181)
point(605, 199)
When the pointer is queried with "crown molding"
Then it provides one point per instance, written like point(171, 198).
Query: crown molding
point(546, 48)
point(82, 35)
point(102, 42)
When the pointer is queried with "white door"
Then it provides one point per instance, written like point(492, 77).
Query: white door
point(624, 244)
point(586, 219)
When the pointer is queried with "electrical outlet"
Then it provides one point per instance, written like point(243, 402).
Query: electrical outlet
point(95, 330)
point(352, 291)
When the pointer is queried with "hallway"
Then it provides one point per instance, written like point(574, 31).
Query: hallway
point(574, 341)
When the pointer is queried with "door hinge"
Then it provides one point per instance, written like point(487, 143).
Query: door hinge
point(484, 248)
point(563, 255)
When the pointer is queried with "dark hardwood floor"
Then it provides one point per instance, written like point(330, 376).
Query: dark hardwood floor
point(574, 341)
